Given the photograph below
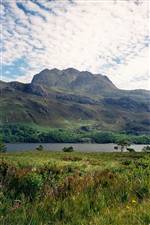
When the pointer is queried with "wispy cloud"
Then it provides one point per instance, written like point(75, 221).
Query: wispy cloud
point(108, 37)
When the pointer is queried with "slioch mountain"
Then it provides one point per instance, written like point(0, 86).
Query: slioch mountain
point(70, 98)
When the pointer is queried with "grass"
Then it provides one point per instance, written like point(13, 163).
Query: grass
point(57, 188)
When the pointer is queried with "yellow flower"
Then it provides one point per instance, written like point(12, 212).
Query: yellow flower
point(127, 207)
point(133, 201)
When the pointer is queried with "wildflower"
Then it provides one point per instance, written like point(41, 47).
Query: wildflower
point(34, 169)
point(133, 201)
point(127, 207)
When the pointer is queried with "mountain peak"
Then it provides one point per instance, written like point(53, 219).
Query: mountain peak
point(46, 70)
point(70, 79)
point(71, 69)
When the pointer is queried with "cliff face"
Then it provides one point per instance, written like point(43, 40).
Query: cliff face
point(74, 80)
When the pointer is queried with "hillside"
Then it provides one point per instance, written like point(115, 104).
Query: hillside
point(70, 98)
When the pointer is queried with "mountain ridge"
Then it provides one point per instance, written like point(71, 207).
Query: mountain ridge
point(61, 98)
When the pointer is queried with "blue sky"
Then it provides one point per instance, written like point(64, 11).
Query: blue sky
point(108, 37)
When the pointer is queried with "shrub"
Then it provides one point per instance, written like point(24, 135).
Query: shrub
point(127, 162)
point(146, 149)
point(40, 148)
point(3, 147)
point(130, 149)
point(30, 184)
point(142, 192)
point(68, 149)
point(3, 168)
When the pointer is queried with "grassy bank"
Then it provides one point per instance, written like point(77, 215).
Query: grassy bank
point(41, 188)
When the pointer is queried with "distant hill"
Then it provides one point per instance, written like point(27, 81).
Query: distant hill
point(70, 98)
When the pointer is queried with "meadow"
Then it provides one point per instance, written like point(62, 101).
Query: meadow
point(61, 188)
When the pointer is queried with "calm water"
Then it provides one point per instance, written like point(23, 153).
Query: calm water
point(60, 146)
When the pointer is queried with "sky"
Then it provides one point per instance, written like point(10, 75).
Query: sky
point(109, 37)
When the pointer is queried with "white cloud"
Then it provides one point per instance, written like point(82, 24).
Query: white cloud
point(100, 36)
point(133, 74)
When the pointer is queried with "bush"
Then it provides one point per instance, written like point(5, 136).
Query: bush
point(40, 148)
point(3, 147)
point(146, 149)
point(130, 149)
point(3, 168)
point(126, 162)
point(68, 149)
point(142, 192)
point(30, 184)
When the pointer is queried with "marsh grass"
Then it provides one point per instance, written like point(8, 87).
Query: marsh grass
point(43, 188)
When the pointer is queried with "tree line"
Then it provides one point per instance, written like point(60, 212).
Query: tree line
point(24, 133)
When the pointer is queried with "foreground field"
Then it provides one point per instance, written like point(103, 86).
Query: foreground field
point(55, 188)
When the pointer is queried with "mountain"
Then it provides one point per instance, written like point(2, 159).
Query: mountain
point(72, 80)
point(70, 98)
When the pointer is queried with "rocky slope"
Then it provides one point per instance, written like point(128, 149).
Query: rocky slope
point(61, 98)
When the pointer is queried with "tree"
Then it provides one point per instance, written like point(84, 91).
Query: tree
point(123, 144)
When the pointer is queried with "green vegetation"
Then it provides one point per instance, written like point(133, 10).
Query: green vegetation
point(40, 148)
point(123, 143)
point(146, 149)
point(24, 133)
point(73, 100)
point(61, 188)
point(130, 149)
point(68, 149)
point(3, 147)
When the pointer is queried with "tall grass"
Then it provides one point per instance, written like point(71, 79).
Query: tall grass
point(75, 189)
